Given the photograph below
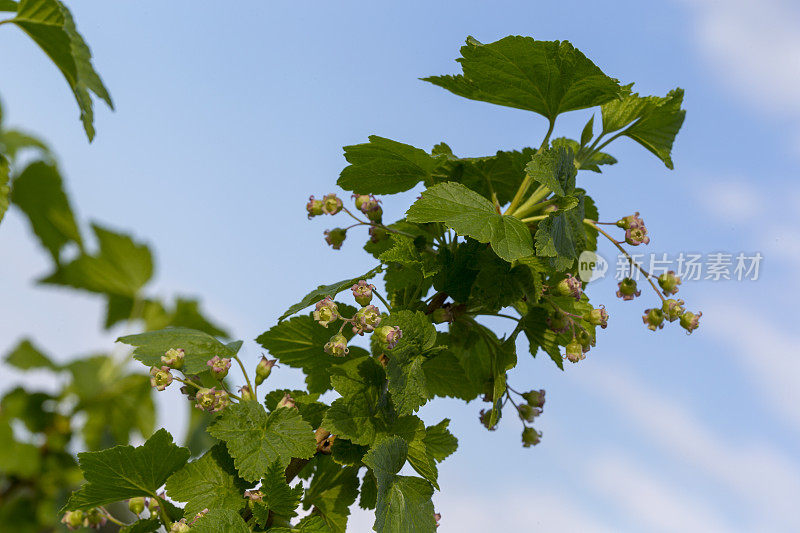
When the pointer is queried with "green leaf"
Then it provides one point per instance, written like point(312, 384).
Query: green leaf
point(332, 491)
point(198, 347)
point(355, 415)
point(26, 356)
point(555, 169)
point(445, 377)
point(439, 442)
point(500, 174)
point(404, 503)
point(539, 335)
point(7, 5)
point(588, 132)
point(121, 266)
point(328, 290)
point(407, 383)
point(278, 496)
point(256, 439)
point(470, 214)
point(39, 193)
point(49, 23)
point(404, 250)
point(589, 161)
point(299, 343)
point(124, 472)
point(209, 482)
point(14, 141)
point(4, 189)
point(369, 491)
point(147, 525)
point(309, 524)
point(383, 166)
point(17, 458)
point(562, 236)
point(652, 121)
point(546, 77)
point(218, 520)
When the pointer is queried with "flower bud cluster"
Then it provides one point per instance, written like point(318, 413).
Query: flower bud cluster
point(94, 518)
point(366, 320)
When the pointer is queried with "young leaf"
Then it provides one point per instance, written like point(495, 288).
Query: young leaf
point(439, 442)
point(500, 174)
point(562, 236)
point(278, 496)
point(198, 347)
point(404, 503)
point(328, 290)
point(27, 356)
point(652, 121)
point(592, 161)
point(218, 520)
point(470, 214)
point(588, 132)
point(546, 77)
point(124, 472)
point(256, 439)
point(332, 491)
point(383, 166)
point(120, 267)
point(49, 23)
point(555, 169)
point(39, 193)
point(207, 483)
point(534, 324)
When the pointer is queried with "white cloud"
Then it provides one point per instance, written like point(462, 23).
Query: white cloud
point(652, 504)
point(732, 200)
point(766, 481)
point(756, 45)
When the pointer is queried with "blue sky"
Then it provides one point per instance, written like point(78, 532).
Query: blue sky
point(227, 119)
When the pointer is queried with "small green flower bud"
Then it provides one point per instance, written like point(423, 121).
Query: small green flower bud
point(598, 317)
point(219, 366)
point(362, 292)
point(558, 322)
point(180, 527)
point(246, 394)
point(264, 369)
point(136, 505)
point(441, 315)
point(585, 339)
point(570, 286)
point(337, 346)
point(335, 237)
point(530, 437)
point(527, 413)
point(366, 319)
point(331, 204)
point(326, 312)
point(627, 289)
point(73, 519)
point(636, 235)
point(377, 234)
point(375, 214)
point(221, 401)
point(160, 378)
point(534, 398)
point(653, 318)
point(669, 282)
point(630, 220)
point(254, 495)
point(314, 207)
point(206, 399)
point(95, 518)
point(690, 321)
point(574, 351)
point(389, 336)
point(287, 401)
point(174, 358)
point(673, 309)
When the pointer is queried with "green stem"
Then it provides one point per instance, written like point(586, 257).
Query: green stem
point(534, 219)
point(616, 243)
point(526, 182)
point(162, 511)
point(111, 518)
point(533, 202)
point(246, 377)
point(388, 307)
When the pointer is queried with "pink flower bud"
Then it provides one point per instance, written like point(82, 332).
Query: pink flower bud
point(337, 346)
point(366, 319)
point(314, 207)
point(174, 358)
point(690, 321)
point(331, 204)
point(326, 312)
point(389, 336)
point(219, 366)
point(653, 319)
point(669, 283)
point(362, 292)
point(627, 289)
point(160, 378)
